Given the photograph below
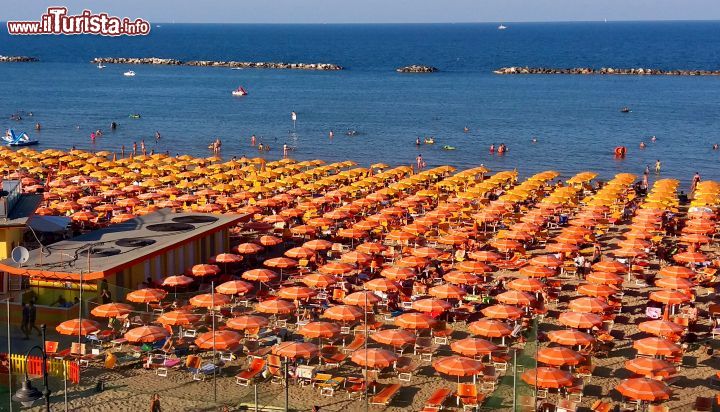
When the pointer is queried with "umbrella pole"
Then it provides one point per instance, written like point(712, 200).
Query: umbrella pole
point(212, 295)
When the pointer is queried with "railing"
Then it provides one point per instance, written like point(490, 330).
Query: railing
point(55, 367)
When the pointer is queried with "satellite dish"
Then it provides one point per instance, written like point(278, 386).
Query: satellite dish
point(20, 255)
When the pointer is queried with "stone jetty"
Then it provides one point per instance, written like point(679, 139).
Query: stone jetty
point(416, 68)
point(17, 59)
point(212, 63)
point(606, 71)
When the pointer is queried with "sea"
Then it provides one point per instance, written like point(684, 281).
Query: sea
point(377, 114)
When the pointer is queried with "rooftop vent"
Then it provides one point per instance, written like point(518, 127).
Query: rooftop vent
point(99, 252)
point(136, 242)
point(195, 219)
point(169, 227)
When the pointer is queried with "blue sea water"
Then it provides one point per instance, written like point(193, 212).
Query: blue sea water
point(576, 119)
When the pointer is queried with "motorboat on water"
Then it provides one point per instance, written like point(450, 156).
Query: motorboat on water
point(502, 27)
point(134, 116)
point(18, 139)
point(625, 110)
point(240, 91)
point(101, 66)
point(129, 73)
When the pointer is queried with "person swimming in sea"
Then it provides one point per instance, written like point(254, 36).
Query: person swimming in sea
point(113, 126)
point(466, 129)
point(492, 148)
point(37, 126)
point(715, 146)
point(534, 139)
point(653, 139)
point(642, 145)
point(260, 147)
point(417, 141)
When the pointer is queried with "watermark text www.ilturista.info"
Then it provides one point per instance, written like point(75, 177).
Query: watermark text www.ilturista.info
point(57, 21)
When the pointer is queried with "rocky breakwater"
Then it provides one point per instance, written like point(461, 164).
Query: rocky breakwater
point(137, 60)
point(416, 68)
point(212, 63)
point(17, 59)
point(606, 71)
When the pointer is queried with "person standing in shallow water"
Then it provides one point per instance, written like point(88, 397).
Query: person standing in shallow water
point(657, 166)
point(695, 181)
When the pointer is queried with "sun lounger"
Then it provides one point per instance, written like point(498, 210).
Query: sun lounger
point(386, 395)
point(320, 378)
point(256, 367)
point(468, 394)
point(405, 367)
point(168, 363)
point(703, 404)
point(332, 356)
point(206, 369)
point(425, 347)
point(435, 402)
point(304, 374)
point(357, 343)
point(328, 387)
point(275, 367)
point(354, 384)
point(600, 406)
point(51, 347)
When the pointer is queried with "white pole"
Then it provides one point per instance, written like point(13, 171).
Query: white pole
point(65, 383)
point(10, 391)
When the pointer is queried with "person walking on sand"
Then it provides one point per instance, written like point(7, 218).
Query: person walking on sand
point(155, 403)
point(142, 147)
point(657, 167)
point(134, 152)
point(419, 161)
point(285, 150)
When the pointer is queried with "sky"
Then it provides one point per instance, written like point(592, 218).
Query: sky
point(375, 11)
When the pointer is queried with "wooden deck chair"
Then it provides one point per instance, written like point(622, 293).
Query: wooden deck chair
point(437, 399)
point(386, 395)
point(320, 378)
point(256, 367)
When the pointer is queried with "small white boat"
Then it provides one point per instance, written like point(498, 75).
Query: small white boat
point(101, 66)
point(240, 91)
point(502, 27)
point(129, 73)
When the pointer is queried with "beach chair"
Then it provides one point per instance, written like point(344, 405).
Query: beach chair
point(527, 404)
point(425, 347)
point(566, 405)
point(275, 367)
point(468, 394)
point(207, 368)
point(332, 356)
point(357, 343)
point(304, 374)
point(256, 367)
point(354, 385)
point(575, 390)
point(51, 347)
point(600, 406)
point(405, 367)
point(386, 395)
point(192, 364)
point(703, 404)
point(441, 332)
point(328, 387)
point(320, 378)
point(436, 400)
point(658, 408)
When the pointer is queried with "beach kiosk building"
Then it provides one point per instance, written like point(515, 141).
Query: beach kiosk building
point(122, 256)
